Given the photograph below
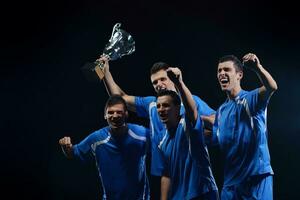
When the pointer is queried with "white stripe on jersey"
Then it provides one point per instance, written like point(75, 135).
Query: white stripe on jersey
point(151, 105)
point(94, 145)
point(135, 136)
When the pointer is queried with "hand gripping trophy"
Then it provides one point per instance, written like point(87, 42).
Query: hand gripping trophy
point(120, 44)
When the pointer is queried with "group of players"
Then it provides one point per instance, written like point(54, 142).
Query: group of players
point(181, 126)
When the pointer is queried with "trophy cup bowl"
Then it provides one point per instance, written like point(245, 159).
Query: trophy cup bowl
point(120, 44)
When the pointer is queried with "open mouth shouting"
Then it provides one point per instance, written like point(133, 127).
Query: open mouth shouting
point(224, 81)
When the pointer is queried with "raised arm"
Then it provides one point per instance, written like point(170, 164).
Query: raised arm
point(186, 96)
point(112, 87)
point(252, 62)
point(67, 147)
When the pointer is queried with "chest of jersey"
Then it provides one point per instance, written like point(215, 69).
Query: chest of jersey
point(235, 123)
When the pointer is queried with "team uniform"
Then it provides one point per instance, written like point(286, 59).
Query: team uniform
point(240, 129)
point(120, 161)
point(186, 162)
point(146, 107)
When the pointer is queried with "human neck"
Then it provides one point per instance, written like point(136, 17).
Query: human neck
point(234, 92)
point(172, 125)
point(119, 131)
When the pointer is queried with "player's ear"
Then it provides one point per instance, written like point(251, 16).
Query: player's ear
point(240, 75)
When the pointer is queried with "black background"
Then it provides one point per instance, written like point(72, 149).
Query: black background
point(45, 96)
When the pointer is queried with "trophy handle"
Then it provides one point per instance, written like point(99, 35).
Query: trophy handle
point(115, 28)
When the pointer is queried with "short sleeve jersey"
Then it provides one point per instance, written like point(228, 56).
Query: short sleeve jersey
point(186, 161)
point(120, 161)
point(146, 107)
point(241, 130)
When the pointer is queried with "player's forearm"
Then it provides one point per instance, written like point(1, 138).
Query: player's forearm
point(68, 152)
point(208, 121)
point(165, 187)
point(188, 102)
point(266, 79)
point(111, 86)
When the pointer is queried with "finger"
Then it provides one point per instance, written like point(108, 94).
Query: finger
point(170, 69)
point(68, 140)
point(62, 141)
point(101, 57)
point(245, 59)
point(257, 60)
point(249, 57)
point(176, 71)
point(65, 140)
point(253, 56)
point(245, 56)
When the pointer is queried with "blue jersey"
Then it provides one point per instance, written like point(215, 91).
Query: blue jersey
point(186, 161)
point(146, 107)
point(240, 128)
point(120, 161)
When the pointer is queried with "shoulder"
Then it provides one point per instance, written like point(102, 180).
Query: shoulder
point(145, 99)
point(198, 100)
point(195, 97)
point(203, 107)
point(138, 129)
point(138, 134)
point(136, 126)
point(95, 138)
point(249, 97)
point(246, 93)
point(100, 134)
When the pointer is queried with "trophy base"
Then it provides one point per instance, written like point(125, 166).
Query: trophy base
point(92, 72)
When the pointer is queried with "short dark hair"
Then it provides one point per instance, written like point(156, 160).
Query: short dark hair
point(113, 100)
point(158, 66)
point(236, 62)
point(175, 97)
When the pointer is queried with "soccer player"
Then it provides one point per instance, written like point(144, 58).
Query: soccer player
point(119, 151)
point(187, 173)
point(241, 129)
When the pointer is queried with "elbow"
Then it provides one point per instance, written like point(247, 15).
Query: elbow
point(274, 87)
point(271, 86)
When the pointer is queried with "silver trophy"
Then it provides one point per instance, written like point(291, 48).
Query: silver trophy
point(120, 44)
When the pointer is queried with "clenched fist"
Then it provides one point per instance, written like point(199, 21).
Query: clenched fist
point(66, 146)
